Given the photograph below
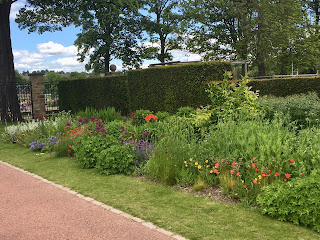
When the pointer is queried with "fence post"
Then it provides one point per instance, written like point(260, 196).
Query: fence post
point(38, 97)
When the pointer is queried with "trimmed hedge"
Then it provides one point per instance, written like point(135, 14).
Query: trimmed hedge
point(169, 88)
point(98, 93)
point(282, 87)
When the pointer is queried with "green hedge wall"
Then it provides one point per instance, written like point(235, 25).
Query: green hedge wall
point(168, 88)
point(76, 95)
point(282, 87)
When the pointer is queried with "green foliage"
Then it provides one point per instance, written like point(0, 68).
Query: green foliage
point(162, 115)
point(229, 99)
point(116, 159)
point(97, 93)
point(169, 88)
point(185, 111)
point(303, 109)
point(88, 148)
point(173, 144)
point(108, 114)
point(283, 87)
point(297, 201)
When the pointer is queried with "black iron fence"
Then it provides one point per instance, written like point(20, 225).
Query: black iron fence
point(24, 92)
point(51, 97)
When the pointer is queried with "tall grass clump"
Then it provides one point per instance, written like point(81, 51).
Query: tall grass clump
point(173, 144)
point(108, 114)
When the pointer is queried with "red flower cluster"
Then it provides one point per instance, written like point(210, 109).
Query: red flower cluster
point(149, 117)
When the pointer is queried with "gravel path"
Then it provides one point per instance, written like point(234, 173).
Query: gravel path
point(31, 208)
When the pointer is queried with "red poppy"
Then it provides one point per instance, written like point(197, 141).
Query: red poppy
point(231, 172)
point(238, 174)
point(253, 158)
point(233, 164)
point(215, 170)
point(253, 165)
point(291, 160)
point(216, 165)
point(288, 175)
point(245, 186)
point(255, 182)
point(256, 169)
point(270, 171)
point(285, 180)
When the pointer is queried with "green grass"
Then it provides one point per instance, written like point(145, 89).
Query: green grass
point(191, 216)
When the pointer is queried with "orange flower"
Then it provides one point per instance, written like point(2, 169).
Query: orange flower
point(255, 182)
point(216, 165)
point(253, 158)
point(215, 170)
point(253, 165)
point(245, 186)
point(238, 173)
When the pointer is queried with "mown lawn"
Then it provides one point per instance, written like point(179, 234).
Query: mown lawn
point(193, 217)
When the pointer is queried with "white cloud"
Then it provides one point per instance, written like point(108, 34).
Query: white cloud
point(51, 49)
point(64, 58)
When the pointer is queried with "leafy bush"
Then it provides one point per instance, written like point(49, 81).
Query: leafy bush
point(116, 159)
point(89, 147)
point(297, 201)
point(229, 99)
point(185, 112)
point(304, 109)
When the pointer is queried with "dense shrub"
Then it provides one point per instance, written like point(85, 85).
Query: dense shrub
point(169, 88)
point(297, 201)
point(304, 109)
point(117, 159)
point(98, 93)
point(282, 87)
point(88, 148)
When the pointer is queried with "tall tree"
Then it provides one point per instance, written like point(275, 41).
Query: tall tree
point(110, 29)
point(256, 30)
point(9, 107)
point(161, 23)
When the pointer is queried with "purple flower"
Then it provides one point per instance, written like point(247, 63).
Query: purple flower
point(80, 120)
point(86, 120)
point(68, 124)
point(102, 130)
point(104, 135)
point(123, 136)
point(145, 133)
point(122, 128)
point(92, 118)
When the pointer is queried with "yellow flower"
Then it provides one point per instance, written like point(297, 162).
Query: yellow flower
point(259, 177)
point(196, 163)
point(207, 166)
point(190, 159)
point(211, 171)
point(199, 166)
point(207, 161)
point(256, 179)
point(186, 165)
point(185, 161)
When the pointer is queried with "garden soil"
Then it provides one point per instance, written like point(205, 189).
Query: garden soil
point(33, 209)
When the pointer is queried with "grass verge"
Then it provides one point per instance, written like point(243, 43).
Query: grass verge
point(193, 217)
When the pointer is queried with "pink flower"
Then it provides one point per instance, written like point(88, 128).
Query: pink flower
point(231, 172)
point(233, 164)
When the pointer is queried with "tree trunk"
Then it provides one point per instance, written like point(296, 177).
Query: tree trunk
point(107, 62)
point(261, 44)
point(162, 46)
point(9, 107)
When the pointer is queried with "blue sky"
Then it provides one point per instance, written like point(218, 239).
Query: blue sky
point(55, 51)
